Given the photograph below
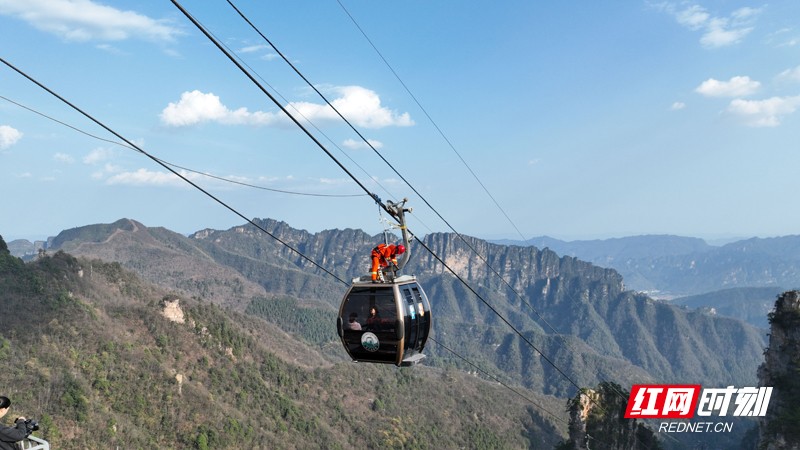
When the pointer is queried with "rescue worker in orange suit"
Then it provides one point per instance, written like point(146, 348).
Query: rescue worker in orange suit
point(383, 255)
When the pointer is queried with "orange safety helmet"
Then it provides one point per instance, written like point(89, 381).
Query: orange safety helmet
point(401, 249)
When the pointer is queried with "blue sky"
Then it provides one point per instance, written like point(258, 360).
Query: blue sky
point(582, 119)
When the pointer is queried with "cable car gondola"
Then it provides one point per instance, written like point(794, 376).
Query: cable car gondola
point(386, 321)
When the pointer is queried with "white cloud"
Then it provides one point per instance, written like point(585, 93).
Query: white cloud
point(784, 37)
point(268, 56)
point(196, 107)
point(361, 145)
point(718, 31)
point(764, 113)
point(693, 17)
point(744, 14)
point(678, 106)
point(85, 20)
point(64, 158)
point(98, 155)
point(106, 170)
point(735, 87)
point(790, 74)
point(9, 136)
point(264, 179)
point(109, 48)
point(144, 177)
point(334, 181)
point(253, 48)
point(359, 105)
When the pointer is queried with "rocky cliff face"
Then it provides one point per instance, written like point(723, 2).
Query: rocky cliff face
point(596, 421)
point(780, 428)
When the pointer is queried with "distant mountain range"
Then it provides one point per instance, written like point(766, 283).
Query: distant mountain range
point(689, 270)
point(591, 323)
point(752, 305)
point(23, 248)
point(670, 266)
point(580, 324)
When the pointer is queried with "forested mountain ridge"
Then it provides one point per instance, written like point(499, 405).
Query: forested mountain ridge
point(88, 350)
point(594, 329)
point(161, 256)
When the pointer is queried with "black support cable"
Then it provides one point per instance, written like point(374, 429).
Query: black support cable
point(219, 46)
point(274, 100)
point(244, 63)
point(174, 172)
point(330, 104)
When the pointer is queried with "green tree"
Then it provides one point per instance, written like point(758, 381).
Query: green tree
point(202, 441)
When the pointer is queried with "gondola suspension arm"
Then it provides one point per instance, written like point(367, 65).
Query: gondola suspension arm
point(398, 210)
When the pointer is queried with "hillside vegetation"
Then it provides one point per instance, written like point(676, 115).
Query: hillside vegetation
point(87, 350)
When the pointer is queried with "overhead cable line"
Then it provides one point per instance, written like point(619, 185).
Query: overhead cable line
point(497, 380)
point(360, 135)
point(174, 172)
point(205, 174)
point(219, 46)
point(435, 125)
point(368, 143)
point(228, 54)
point(333, 107)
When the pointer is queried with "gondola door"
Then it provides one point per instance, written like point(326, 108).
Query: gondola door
point(417, 319)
